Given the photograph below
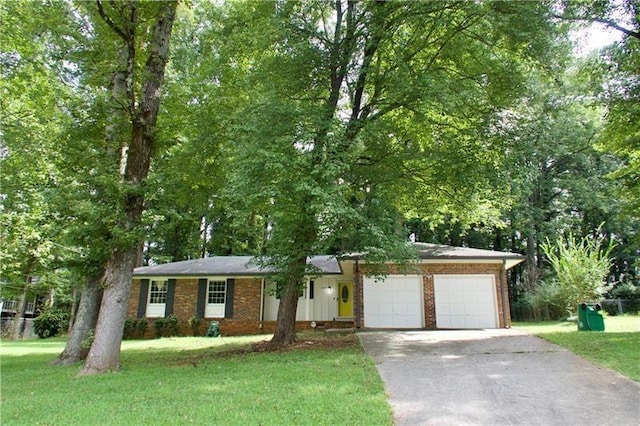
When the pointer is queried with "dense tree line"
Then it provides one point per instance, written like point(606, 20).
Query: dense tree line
point(137, 132)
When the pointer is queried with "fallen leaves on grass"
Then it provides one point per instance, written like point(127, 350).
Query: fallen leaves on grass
point(306, 341)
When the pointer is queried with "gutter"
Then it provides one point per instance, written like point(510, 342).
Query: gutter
point(357, 295)
point(262, 286)
point(503, 287)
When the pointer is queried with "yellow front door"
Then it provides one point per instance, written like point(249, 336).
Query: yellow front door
point(345, 299)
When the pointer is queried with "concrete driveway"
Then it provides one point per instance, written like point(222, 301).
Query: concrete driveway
point(496, 377)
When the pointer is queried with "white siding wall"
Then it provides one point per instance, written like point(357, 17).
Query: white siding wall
point(323, 306)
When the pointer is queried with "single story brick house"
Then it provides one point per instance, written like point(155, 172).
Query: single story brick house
point(448, 287)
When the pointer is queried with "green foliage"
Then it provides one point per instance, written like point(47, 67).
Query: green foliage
point(129, 328)
point(626, 291)
point(341, 176)
point(32, 87)
point(546, 300)
point(167, 327)
point(86, 343)
point(160, 325)
point(194, 323)
point(455, 121)
point(137, 327)
point(50, 322)
point(173, 325)
point(631, 295)
point(581, 267)
point(613, 76)
point(142, 326)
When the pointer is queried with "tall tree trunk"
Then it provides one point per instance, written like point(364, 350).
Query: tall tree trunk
point(344, 47)
point(286, 322)
point(74, 310)
point(532, 261)
point(104, 354)
point(85, 322)
point(18, 325)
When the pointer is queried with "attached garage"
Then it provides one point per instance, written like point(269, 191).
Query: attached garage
point(446, 287)
point(393, 302)
point(465, 301)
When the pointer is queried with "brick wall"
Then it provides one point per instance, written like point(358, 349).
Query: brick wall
point(246, 307)
point(246, 303)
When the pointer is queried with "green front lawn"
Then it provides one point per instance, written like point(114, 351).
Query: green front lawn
point(190, 381)
point(618, 347)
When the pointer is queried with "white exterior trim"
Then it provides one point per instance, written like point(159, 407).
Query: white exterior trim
point(155, 310)
point(215, 310)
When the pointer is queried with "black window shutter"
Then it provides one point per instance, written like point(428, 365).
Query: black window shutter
point(228, 304)
point(202, 296)
point(142, 298)
point(171, 291)
point(311, 289)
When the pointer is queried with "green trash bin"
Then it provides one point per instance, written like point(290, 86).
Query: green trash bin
point(589, 319)
point(214, 329)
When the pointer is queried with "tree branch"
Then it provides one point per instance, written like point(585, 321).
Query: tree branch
point(607, 22)
point(110, 22)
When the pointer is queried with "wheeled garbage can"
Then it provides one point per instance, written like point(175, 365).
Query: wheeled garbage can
point(589, 317)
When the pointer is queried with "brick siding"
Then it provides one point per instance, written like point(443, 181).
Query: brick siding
point(246, 307)
point(247, 299)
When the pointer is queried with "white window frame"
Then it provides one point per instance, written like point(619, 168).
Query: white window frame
point(160, 287)
point(217, 308)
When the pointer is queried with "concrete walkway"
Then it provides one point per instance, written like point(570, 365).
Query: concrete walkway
point(496, 377)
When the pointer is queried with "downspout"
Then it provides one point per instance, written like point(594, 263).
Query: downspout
point(503, 286)
point(357, 295)
point(308, 301)
point(262, 285)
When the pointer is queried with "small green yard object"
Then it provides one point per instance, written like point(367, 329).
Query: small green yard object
point(214, 329)
point(589, 317)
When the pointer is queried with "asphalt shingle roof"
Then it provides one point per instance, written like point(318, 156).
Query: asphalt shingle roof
point(228, 265)
point(428, 251)
point(327, 265)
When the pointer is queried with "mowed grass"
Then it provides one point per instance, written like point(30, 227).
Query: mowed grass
point(617, 348)
point(200, 381)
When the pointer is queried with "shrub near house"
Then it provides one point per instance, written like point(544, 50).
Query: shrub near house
point(50, 322)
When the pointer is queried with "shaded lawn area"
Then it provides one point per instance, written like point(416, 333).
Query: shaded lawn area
point(617, 348)
point(197, 381)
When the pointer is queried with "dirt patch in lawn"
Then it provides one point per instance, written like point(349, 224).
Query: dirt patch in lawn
point(308, 341)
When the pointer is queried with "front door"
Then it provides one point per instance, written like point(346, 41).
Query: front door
point(345, 300)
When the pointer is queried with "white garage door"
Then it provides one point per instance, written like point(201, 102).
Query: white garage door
point(393, 302)
point(465, 301)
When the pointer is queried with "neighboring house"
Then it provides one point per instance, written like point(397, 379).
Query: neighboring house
point(8, 311)
point(448, 287)
point(9, 307)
